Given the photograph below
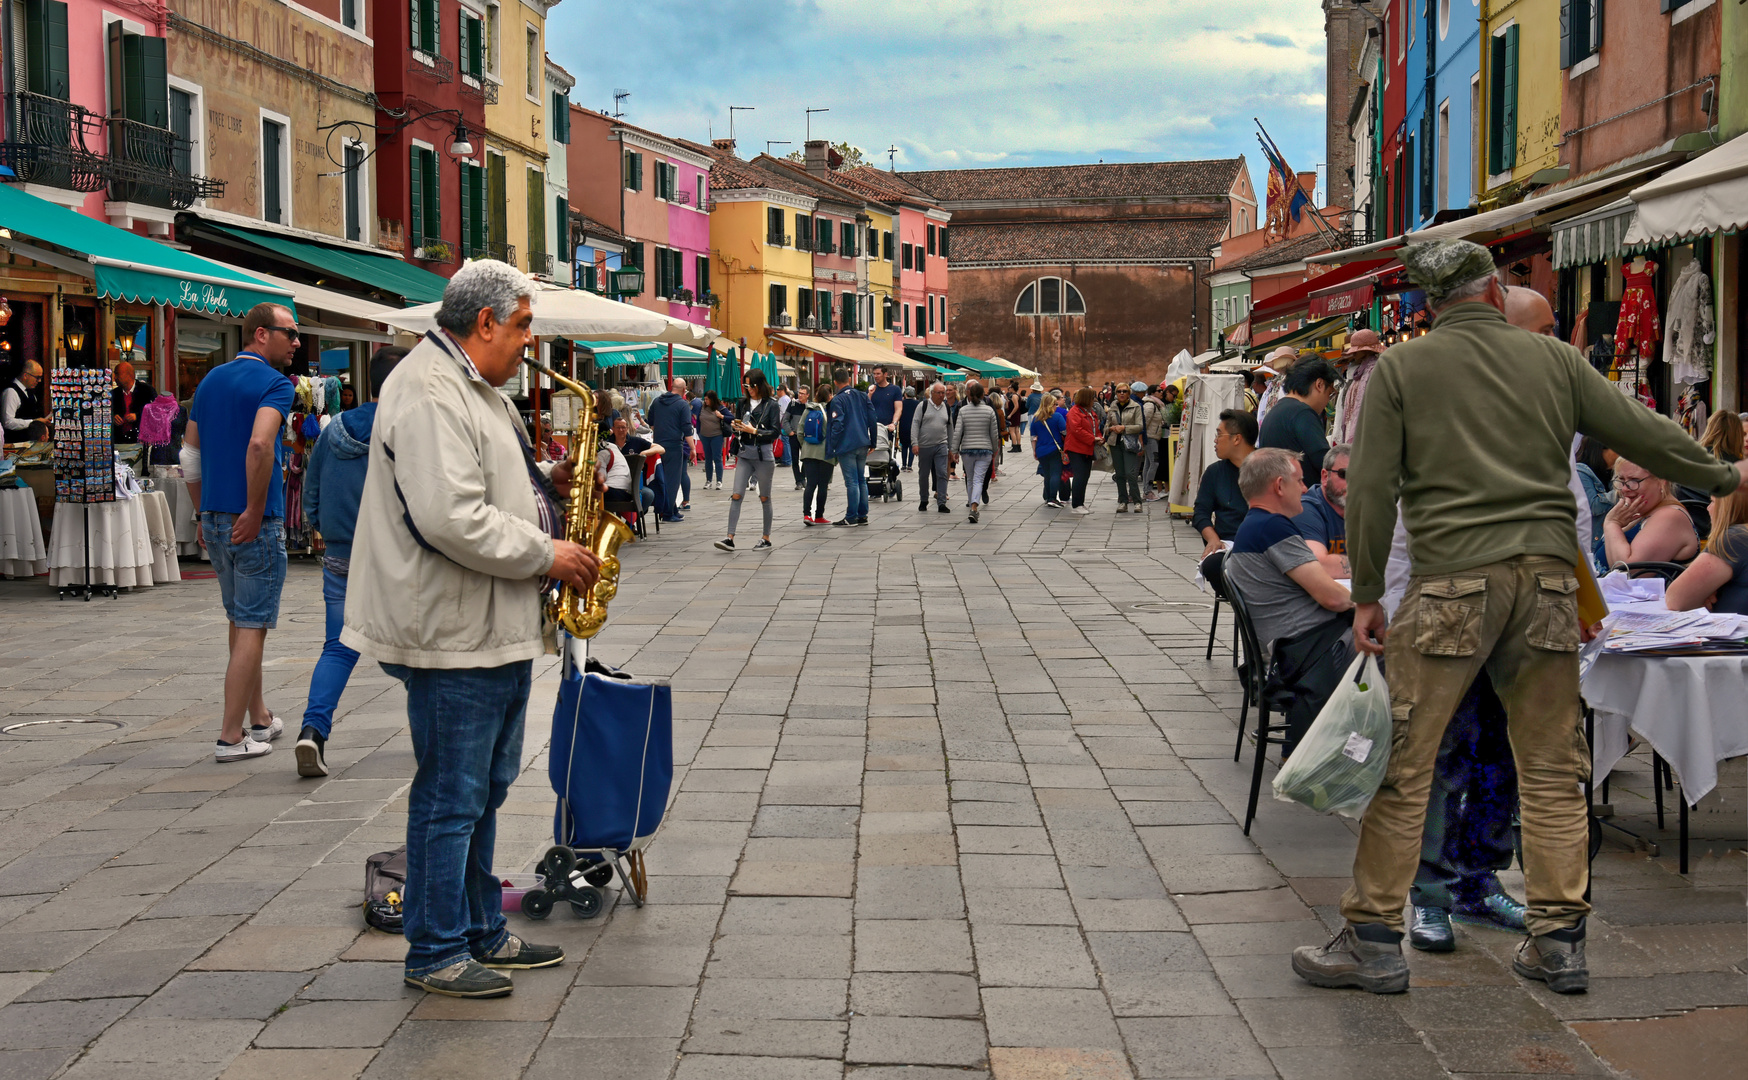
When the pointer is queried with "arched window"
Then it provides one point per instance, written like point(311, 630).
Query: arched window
point(1050, 296)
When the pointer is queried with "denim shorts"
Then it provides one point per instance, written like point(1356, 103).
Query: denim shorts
point(251, 575)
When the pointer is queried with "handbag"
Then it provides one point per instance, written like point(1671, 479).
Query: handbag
point(1102, 458)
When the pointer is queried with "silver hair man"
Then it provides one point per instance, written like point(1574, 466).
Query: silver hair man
point(482, 284)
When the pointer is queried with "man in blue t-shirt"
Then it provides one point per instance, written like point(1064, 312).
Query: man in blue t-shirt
point(238, 410)
point(1322, 519)
point(885, 397)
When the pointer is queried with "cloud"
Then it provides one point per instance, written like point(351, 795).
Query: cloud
point(963, 83)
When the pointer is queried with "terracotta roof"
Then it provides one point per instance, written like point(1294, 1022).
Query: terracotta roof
point(1114, 181)
point(594, 228)
point(1295, 250)
point(817, 186)
point(1064, 242)
point(890, 184)
point(729, 173)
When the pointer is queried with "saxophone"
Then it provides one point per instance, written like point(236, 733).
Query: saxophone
point(586, 521)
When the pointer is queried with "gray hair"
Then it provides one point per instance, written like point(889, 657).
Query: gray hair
point(1469, 290)
point(1263, 467)
point(1336, 453)
point(482, 284)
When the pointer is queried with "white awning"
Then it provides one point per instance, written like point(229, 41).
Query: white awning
point(1707, 195)
point(850, 350)
point(1593, 237)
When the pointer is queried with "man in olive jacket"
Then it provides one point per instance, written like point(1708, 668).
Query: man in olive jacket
point(456, 528)
point(1470, 426)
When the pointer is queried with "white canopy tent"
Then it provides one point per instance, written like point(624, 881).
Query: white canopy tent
point(573, 313)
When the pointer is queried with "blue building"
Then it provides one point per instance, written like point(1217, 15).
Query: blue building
point(1443, 96)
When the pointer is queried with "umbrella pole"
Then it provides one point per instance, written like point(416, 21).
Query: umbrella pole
point(741, 384)
point(670, 365)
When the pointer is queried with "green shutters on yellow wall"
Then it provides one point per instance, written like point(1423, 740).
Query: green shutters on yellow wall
point(536, 212)
point(1502, 111)
point(473, 210)
point(497, 201)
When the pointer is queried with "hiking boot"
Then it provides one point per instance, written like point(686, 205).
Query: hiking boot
point(310, 750)
point(245, 747)
point(464, 979)
point(1556, 958)
point(518, 955)
point(1496, 908)
point(1366, 955)
point(1430, 930)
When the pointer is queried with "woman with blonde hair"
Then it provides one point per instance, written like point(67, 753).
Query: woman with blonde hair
point(1718, 577)
point(1723, 436)
point(1647, 523)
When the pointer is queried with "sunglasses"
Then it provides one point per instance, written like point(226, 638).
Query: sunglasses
point(290, 332)
point(1338, 472)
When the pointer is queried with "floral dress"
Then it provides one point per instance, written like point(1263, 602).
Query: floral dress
point(1638, 325)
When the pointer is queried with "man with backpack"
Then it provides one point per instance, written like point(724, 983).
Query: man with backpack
point(849, 434)
point(931, 429)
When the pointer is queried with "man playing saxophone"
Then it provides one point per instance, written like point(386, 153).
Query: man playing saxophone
point(456, 528)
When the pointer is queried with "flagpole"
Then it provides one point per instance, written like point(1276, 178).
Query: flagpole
point(1272, 151)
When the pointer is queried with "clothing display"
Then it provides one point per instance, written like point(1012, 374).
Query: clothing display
point(1692, 326)
point(1349, 397)
point(1638, 327)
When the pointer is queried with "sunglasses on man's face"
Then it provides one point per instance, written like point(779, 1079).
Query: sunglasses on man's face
point(290, 332)
point(1339, 472)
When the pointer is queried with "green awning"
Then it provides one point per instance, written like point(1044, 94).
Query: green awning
point(620, 354)
point(951, 374)
point(960, 360)
point(383, 272)
point(131, 267)
point(1306, 334)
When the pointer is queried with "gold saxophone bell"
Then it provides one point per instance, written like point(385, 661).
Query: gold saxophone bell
point(586, 521)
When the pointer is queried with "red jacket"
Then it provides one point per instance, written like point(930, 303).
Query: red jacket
point(1083, 431)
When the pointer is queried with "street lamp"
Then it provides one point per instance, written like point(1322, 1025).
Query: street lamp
point(628, 282)
point(459, 144)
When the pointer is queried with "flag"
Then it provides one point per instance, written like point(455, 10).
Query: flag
point(1282, 180)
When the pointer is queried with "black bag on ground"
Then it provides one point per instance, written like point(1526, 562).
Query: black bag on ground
point(385, 886)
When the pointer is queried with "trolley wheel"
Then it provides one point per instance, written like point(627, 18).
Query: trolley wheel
point(558, 864)
point(536, 904)
point(599, 874)
point(587, 902)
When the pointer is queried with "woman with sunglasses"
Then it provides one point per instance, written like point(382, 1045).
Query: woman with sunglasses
point(1647, 524)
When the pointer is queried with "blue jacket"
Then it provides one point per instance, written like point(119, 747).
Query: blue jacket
point(333, 481)
point(670, 420)
point(849, 424)
point(1048, 434)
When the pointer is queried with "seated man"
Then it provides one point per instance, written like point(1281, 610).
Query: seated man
point(1322, 520)
point(1298, 611)
point(615, 459)
point(1220, 506)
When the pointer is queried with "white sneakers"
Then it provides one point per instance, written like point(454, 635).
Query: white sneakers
point(256, 742)
point(1082, 511)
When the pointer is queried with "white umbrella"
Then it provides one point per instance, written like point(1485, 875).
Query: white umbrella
point(574, 313)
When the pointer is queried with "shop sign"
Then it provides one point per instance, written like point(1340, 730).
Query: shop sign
point(202, 297)
point(1345, 302)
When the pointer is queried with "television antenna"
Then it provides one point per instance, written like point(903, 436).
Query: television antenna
point(810, 113)
point(891, 158)
point(775, 142)
point(619, 97)
point(732, 109)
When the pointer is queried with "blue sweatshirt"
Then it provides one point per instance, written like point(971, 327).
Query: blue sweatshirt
point(670, 420)
point(851, 423)
point(333, 481)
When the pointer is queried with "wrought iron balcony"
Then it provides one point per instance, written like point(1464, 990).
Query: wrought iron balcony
point(479, 87)
point(155, 166)
point(435, 251)
point(437, 68)
point(501, 252)
point(540, 262)
point(53, 144)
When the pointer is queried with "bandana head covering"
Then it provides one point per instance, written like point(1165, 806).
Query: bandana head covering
point(1444, 266)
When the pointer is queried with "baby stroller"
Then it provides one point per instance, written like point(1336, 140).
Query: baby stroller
point(612, 763)
point(882, 467)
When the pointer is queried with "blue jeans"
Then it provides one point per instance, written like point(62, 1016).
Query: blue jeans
point(1050, 468)
point(712, 458)
point(250, 576)
point(1469, 837)
point(467, 746)
point(853, 463)
point(328, 681)
point(674, 480)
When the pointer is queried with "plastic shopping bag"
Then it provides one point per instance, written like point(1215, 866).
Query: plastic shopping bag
point(1340, 762)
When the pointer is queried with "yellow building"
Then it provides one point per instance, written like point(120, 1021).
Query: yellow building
point(516, 189)
point(881, 227)
point(1521, 83)
point(758, 269)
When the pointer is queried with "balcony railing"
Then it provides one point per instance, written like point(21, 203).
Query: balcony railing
point(479, 87)
point(435, 251)
point(54, 143)
point(501, 252)
point(438, 68)
point(155, 166)
point(540, 262)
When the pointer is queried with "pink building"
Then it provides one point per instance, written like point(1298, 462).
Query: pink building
point(919, 281)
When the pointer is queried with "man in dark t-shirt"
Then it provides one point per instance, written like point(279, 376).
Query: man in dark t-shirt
point(1322, 519)
point(1295, 420)
point(885, 395)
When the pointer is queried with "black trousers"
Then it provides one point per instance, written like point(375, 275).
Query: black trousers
point(817, 478)
point(1080, 466)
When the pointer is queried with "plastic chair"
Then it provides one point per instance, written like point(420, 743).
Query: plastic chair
point(1668, 571)
point(1258, 692)
point(1213, 570)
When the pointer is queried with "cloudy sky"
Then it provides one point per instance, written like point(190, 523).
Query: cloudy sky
point(959, 83)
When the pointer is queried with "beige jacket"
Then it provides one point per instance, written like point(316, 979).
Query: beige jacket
point(448, 552)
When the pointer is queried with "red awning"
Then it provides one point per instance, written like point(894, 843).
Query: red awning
point(1298, 298)
point(1341, 301)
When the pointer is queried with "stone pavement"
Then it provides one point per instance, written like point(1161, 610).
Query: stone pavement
point(953, 802)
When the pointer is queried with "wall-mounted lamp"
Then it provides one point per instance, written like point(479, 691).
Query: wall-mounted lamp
point(75, 340)
point(5, 311)
point(459, 144)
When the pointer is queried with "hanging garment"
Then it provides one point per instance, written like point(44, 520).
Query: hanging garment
point(1692, 327)
point(1691, 412)
point(331, 397)
point(1353, 395)
point(1638, 326)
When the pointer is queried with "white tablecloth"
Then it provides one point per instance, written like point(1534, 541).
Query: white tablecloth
point(22, 553)
point(1689, 708)
point(183, 515)
point(123, 551)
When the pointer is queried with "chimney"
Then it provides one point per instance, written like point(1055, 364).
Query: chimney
point(816, 157)
point(723, 144)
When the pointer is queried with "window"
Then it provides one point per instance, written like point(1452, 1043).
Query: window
point(931, 241)
point(493, 33)
point(702, 275)
point(667, 178)
point(907, 257)
point(561, 118)
point(1412, 23)
point(473, 210)
point(1050, 296)
point(472, 46)
point(139, 87)
point(905, 308)
point(424, 212)
point(670, 272)
point(534, 69)
point(847, 245)
point(1444, 19)
point(779, 304)
point(182, 155)
point(633, 170)
point(698, 183)
point(273, 167)
point(349, 14)
point(1581, 30)
point(803, 231)
point(422, 34)
point(822, 306)
point(931, 323)
point(497, 203)
point(873, 247)
point(941, 238)
point(1502, 111)
point(886, 313)
point(536, 215)
point(919, 320)
point(46, 55)
point(774, 227)
point(561, 229)
point(804, 307)
point(1444, 157)
point(886, 246)
point(847, 310)
point(1401, 31)
point(823, 236)
point(352, 190)
point(633, 257)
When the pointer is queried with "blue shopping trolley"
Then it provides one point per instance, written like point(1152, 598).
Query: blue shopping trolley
point(611, 765)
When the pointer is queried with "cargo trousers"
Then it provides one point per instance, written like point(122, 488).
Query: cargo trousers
point(1518, 619)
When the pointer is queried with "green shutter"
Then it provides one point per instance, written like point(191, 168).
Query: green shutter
point(415, 25)
point(416, 191)
point(428, 27)
point(468, 241)
point(144, 82)
point(562, 228)
point(536, 212)
point(475, 47)
point(46, 48)
point(1510, 104)
point(433, 198)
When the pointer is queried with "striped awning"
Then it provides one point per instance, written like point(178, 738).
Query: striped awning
point(1593, 237)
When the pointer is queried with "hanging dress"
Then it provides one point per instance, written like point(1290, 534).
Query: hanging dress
point(1638, 325)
